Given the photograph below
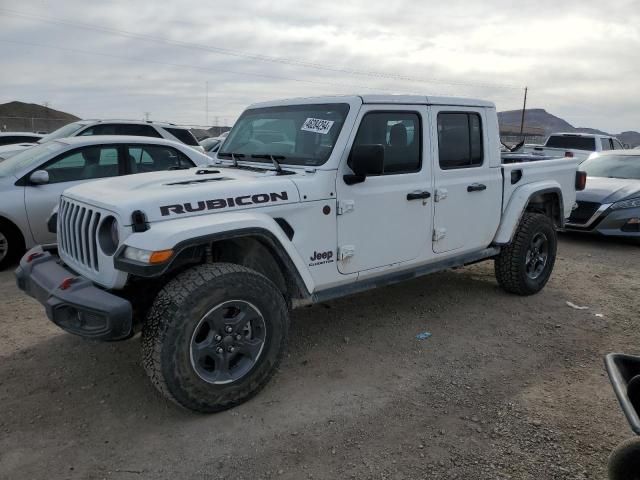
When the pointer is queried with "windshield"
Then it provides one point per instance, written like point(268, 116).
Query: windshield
point(612, 166)
point(63, 132)
point(297, 134)
point(572, 142)
point(28, 158)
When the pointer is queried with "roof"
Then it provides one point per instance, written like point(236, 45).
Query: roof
point(20, 134)
point(630, 153)
point(134, 122)
point(102, 139)
point(381, 99)
point(581, 134)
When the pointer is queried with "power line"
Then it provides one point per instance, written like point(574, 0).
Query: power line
point(237, 53)
point(195, 67)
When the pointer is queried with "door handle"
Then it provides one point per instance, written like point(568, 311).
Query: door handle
point(418, 195)
point(476, 187)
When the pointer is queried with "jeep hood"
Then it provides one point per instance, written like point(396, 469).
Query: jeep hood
point(608, 190)
point(183, 193)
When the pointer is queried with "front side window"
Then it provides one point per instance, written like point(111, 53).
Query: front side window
point(296, 134)
point(399, 133)
point(459, 140)
point(153, 158)
point(84, 164)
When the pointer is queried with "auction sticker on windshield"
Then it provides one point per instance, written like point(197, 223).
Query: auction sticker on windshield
point(317, 125)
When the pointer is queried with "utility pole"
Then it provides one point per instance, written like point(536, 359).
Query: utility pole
point(46, 115)
point(524, 107)
point(146, 116)
point(206, 101)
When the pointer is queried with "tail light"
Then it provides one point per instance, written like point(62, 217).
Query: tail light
point(581, 180)
point(568, 154)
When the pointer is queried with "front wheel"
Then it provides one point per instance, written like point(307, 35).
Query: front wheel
point(214, 336)
point(11, 244)
point(525, 265)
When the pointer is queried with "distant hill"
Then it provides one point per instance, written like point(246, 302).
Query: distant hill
point(20, 116)
point(540, 118)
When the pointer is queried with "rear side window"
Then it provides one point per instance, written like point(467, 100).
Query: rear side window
point(153, 158)
point(572, 142)
point(184, 135)
point(399, 133)
point(459, 140)
point(137, 130)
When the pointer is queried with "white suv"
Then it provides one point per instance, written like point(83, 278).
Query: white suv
point(137, 128)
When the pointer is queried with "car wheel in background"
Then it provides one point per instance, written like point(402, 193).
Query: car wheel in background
point(11, 244)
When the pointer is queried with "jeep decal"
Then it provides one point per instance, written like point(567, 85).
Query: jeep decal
point(218, 203)
point(320, 258)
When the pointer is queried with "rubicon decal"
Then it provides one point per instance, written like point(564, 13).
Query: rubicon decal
point(219, 203)
point(320, 258)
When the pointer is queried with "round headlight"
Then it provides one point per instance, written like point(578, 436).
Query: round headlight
point(108, 236)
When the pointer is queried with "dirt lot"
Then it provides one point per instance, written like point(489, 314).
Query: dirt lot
point(506, 387)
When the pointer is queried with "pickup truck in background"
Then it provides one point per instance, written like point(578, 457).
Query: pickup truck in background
point(308, 200)
point(574, 145)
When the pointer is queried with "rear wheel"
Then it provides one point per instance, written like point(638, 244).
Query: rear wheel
point(525, 265)
point(624, 462)
point(11, 244)
point(214, 336)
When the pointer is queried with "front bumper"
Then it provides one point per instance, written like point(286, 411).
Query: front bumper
point(72, 302)
point(613, 223)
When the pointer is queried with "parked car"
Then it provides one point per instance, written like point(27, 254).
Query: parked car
point(31, 182)
point(610, 203)
point(112, 127)
point(11, 138)
point(574, 145)
point(624, 373)
point(212, 144)
point(344, 194)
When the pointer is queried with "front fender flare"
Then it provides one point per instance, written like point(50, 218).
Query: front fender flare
point(182, 234)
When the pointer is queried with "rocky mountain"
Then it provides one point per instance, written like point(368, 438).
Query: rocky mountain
point(540, 118)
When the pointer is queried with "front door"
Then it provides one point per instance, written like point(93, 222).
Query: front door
point(69, 169)
point(386, 219)
point(468, 190)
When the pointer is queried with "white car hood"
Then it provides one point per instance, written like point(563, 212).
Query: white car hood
point(183, 193)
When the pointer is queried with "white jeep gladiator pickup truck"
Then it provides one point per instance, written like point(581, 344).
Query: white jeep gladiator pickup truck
point(307, 200)
point(574, 145)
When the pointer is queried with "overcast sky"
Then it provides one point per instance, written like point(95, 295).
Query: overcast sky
point(101, 59)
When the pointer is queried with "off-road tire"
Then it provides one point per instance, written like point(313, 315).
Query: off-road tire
point(15, 244)
point(173, 317)
point(510, 264)
point(624, 461)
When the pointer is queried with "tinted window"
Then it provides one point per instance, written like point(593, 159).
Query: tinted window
point(459, 140)
point(572, 142)
point(606, 143)
point(84, 164)
point(613, 166)
point(137, 130)
point(303, 134)
point(184, 135)
point(399, 133)
point(9, 140)
point(152, 158)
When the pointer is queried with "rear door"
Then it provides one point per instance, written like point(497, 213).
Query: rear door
point(468, 192)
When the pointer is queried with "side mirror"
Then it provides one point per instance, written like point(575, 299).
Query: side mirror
point(365, 160)
point(39, 177)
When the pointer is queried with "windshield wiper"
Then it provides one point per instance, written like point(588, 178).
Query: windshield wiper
point(274, 159)
point(232, 156)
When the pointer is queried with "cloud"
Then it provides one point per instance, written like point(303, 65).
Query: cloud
point(578, 58)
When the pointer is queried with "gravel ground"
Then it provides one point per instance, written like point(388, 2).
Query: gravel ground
point(506, 387)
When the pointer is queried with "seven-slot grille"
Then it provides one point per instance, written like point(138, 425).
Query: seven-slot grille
point(78, 232)
point(584, 212)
